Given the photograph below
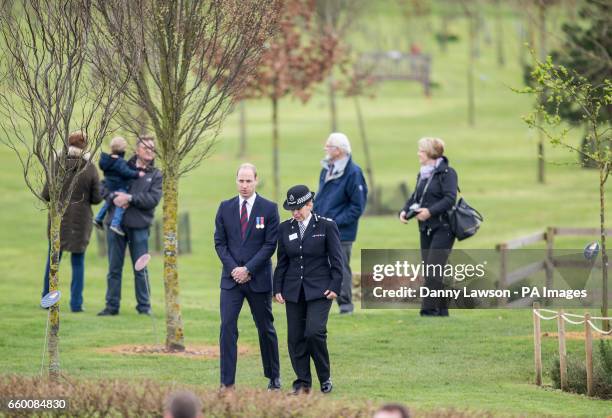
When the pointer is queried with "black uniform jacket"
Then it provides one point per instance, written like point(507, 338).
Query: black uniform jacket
point(314, 262)
point(439, 197)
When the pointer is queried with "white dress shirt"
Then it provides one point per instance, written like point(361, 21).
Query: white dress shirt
point(250, 201)
point(305, 221)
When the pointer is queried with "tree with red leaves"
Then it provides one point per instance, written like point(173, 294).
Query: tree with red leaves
point(298, 57)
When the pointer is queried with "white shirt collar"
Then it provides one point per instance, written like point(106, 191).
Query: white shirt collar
point(250, 201)
point(307, 220)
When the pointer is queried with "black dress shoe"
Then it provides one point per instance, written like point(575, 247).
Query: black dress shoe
point(107, 312)
point(300, 390)
point(429, 312)
point(274, 384)
point(327, 386)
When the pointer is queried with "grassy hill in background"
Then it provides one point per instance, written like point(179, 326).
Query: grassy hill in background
point(480, 360)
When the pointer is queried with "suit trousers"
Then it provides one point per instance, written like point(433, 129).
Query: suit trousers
point(261, 310)
point(436, 246)
point(307, 338)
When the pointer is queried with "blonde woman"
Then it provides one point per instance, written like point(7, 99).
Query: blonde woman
point(435, 193)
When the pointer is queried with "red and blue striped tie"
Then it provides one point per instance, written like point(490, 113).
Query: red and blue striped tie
point(244, 219)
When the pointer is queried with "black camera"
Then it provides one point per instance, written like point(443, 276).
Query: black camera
point(412, 211)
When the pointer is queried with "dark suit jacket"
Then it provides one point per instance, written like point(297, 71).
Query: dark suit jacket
point(314, 262)
point(256, 251)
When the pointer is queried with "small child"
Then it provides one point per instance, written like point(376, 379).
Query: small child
point(117, 172)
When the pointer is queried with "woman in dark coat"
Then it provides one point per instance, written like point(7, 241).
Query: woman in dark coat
point(77, 220)
point(307, 278)
point(435, 193)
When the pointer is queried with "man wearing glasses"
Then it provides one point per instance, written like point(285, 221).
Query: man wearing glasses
point(143, 196)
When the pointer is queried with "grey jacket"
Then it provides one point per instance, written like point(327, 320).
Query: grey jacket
point(146, 193)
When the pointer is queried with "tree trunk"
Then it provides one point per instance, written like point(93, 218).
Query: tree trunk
point(54, 318)
point(477, 31)
point(470, 72)
point(499, 38)
point(332, 103)
point(330, 80)
point(366, 151)
point(444, 34)
point(243, 136)
point(174, 322)
point(587, 146)
point(522, 36)
point(542, 96)
point(604, 253)
point(275, 145)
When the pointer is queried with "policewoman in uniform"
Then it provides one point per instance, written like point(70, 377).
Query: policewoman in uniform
point(307, 278)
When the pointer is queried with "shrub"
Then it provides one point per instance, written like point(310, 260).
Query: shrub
point(576, 372)
point(119, 398)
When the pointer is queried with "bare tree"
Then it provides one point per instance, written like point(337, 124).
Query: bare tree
point(470, 10)
point(499, 33)
point(299, 57)
point(416, 14)
point(242, 149)
point(336, 17)
point(360, 83)
point(47, 89)
point(537, 12)
point(196, 57)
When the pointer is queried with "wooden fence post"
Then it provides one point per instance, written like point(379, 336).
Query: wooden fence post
point(537, 344)
point(562, 351)
point(588, 347)
point(549, 265)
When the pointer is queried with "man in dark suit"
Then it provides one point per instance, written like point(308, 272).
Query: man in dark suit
point(246, 231)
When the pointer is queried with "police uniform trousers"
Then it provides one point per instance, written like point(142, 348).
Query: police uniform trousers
point(307, 338)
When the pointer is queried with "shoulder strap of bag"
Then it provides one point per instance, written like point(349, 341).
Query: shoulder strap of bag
point(425, 189)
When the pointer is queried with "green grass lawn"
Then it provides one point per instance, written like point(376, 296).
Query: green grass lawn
point(479, 360)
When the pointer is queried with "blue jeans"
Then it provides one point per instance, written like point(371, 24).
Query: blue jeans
point(78, 279)
point(137, 239)
point(117, 215)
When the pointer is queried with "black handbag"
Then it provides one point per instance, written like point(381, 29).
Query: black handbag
point(463, 219)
